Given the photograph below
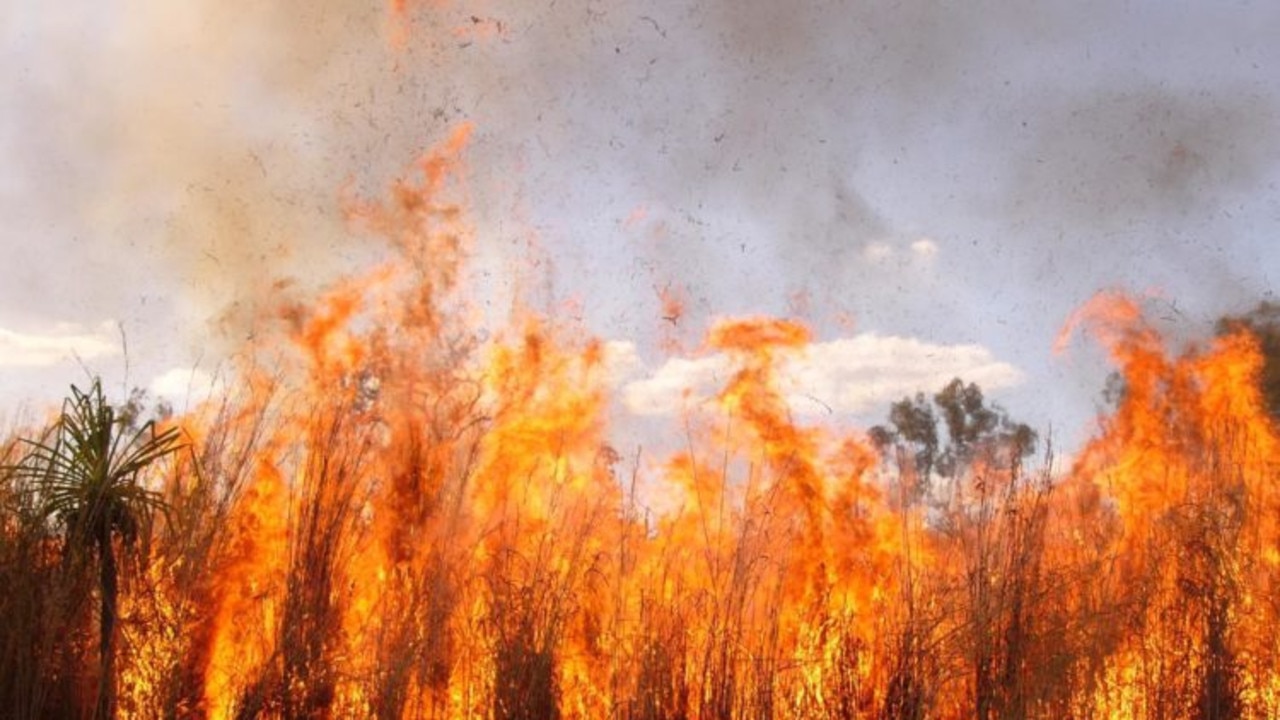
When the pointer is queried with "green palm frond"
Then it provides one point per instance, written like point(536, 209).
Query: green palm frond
point(84, 473)
point(86, 468)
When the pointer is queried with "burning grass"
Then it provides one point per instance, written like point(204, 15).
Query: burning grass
point(392, 519)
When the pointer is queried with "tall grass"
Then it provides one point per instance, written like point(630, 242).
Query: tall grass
point(339, 556)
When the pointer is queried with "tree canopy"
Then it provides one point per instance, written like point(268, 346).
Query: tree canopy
point(973, 429)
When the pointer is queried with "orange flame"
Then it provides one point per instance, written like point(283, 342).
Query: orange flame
point(398, 519)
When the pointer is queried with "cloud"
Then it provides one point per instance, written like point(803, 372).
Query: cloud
point(847, 376)
point(185, 385)
point(924, 248)
point(61, 343)
point(621, 361)
point(678, 383)
point(877, 251)
point(883, 251)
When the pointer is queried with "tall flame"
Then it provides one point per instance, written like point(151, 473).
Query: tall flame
point(394, 517)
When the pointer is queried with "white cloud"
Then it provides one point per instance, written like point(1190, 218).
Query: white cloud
point(60, 343)
point(621, 361)
point(882, 251)
point(183, 385)
point(678, 381)
point(848, 376)
point(877, 251)
point(924, 247)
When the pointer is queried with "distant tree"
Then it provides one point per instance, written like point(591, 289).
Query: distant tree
point(915, 424)
point(991, 525)
point(973, 429)
point(86, 473)
point(1264, 322)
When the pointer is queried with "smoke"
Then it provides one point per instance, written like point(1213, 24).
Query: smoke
point(187, 158)
point(792, 135)
point(192, 157)
point(1116, 158)
point(243, 135)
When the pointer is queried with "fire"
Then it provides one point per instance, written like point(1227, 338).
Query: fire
point(395, 517)
point(1188, 460)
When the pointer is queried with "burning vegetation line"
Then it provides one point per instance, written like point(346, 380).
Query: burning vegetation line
point(393, 519)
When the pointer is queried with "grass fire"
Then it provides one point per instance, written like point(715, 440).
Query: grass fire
point(393, 518)
point(397, 502)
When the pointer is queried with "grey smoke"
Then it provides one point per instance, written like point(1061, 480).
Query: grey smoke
point(195, 154)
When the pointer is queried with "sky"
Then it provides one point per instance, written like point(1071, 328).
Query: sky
point(932, 187)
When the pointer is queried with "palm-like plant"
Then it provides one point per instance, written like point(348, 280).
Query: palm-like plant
point(86, 473)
